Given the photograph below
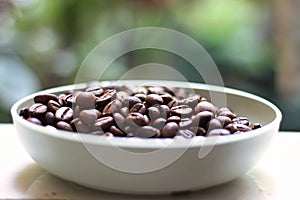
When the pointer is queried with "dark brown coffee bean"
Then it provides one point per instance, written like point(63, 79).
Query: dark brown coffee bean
point(34, 120)
point(96, 90)
point(146, 132)
point(241, 120)
point(190, 101)
point(159, 123)
point(116, 131)
point(175, 119)
point(53, 106)
point(156, 90)
point(204, 106)
point(119, 119)
point(137, 119)
point(83, 128)
point(111, 107)
point(64, 126)
point(181, 110)
point(69, 100)
point(186, 133)
point(49, 118)
point(255, 126)
point(103, 123)
point(44, 98)
point(242, 127)
point(61, 99)
point(153, 99)
point(166, 98)
point(217, 132)
point(37, 110)
point(140, 90)
point(24, 112)
point(142, 97)
point(224, 120)
point(185, 123)
point(198, 131)
point(154, 113)
point(88, 116)
point(202, 118)
point(64, 114)
point(85, 100)
point(164, 111)
point(121, 95)
point(173, 103)
point(124, 111)
point(169, 130)
point(130, 101)
point(214, 124)
point(226, 112)
point(138, 107)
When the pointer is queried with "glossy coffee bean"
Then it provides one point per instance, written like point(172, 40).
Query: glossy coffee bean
point(111, 107)
point(154, 99)
point(218, 132)
point(64, 114)
point(103, 123)
point(49, 118)
point(186, 133)
point(24, 112)
point(37, 110)
point(241, 120)
point(106, 97)
point(181, 110)
point(169, 130)
point(64, 126)
point(224, 120)
point(154, 113)
point(44, 98)
point(202, 118)
point(159, 123)
point(119, 119)
point(175, 119)
point(34, 121)
point(137, 119)
point(190, 101)
point(130, 101)
point(214, 124)
point(88, 116)
point(116, 131)
point(86, 100)
point(146, 132)
point(226, 112)
point(138, 107)
point(53, 106)
point(204, 106)
point(96, 90)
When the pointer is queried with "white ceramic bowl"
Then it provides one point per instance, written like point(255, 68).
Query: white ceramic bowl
point(148, 166)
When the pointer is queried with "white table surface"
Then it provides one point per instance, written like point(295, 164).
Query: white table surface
point(277, 176)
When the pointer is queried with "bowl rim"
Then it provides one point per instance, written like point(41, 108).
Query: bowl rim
point(148, 143)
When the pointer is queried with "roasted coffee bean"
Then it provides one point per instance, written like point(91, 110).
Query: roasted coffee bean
point(185, 123)
point(116, 131)
point(37, 110)
point(138, 107)
point(53, 106)
point(146, 132)
point(88, 116)
point(233, 128)
point(24, 112)
point(84, 128)
point(214, 124)
point(121, 95)
point(181, 110)
point(64, 114)
point(166, 98)
point(137, 119)
point(156, 90)
point(241, 120)
point(124, 111)
point(44, 98)
point(69, 100)
point(154, 113)
point(173, 103)
point(142, 97)
point(111, 107)
point(190, 101)
point(85, 100)
point(175, 119)
point(140, 90)
point(256, 126)
point(202, 118)
point(169, 130)
point(119, 119)
point(159, 123)
point(103, 123)
point(49, 118)
point(198, 131)
point(217, 132)
point(34, 120)
point(130, 101)
point(164, 111)
point(64, 126)
point(226, 112)
point(204, 106)
point(224, 120)
point(154, 99)
point(96, 90)
point(186, 133)
point(61, 99)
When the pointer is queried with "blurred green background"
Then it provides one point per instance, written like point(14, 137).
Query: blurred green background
point(253, 43)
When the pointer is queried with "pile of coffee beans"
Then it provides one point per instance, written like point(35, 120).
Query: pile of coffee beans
point(145, 112)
